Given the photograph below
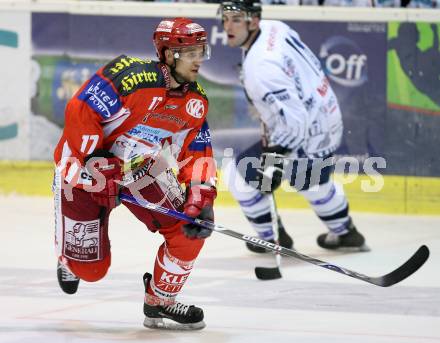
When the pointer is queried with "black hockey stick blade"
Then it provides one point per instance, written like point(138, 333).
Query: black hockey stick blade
point(401, 273)
point(263, 273)
point(408, 268)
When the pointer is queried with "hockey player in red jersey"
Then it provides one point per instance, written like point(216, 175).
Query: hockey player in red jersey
point(117, 127)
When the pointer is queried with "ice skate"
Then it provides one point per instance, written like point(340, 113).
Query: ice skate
point(285, 241)
point(351, 241)
point(172, 317)
point(66, 279)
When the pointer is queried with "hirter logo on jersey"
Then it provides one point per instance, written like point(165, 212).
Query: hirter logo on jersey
point(195, 108)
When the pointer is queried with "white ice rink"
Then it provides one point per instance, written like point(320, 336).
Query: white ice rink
point(309, 304)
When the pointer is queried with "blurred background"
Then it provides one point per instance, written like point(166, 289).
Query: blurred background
point(382, 59)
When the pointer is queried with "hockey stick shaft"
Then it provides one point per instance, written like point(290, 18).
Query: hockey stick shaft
point(273, 206)
point(267, 273)
point(399, 274)
point(274, 216)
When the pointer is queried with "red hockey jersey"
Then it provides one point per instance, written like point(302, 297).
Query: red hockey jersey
point(128, 108)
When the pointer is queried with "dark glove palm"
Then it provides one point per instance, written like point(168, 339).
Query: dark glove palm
point(199, 204)
point(193, 231)
point(270, 173)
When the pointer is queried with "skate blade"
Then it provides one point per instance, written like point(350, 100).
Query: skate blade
point(168, 324)
point(363, 248)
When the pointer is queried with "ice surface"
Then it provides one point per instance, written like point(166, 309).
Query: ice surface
point(309, 304)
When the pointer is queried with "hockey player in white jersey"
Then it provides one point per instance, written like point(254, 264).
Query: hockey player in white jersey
point(303, 127)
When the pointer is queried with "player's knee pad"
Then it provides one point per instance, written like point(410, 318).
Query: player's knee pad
point(305, 173)
point(318, 192)
point(90, 271)
point(326, 199)
point(82, 235)
point(254, 204)
point(237, 185)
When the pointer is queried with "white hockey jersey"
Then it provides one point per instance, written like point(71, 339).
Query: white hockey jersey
point(286, 83)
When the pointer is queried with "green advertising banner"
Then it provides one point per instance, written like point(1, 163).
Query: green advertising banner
point(414, 67)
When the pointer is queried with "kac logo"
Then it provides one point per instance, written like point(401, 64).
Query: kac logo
point(344, 61)
point(195, 108)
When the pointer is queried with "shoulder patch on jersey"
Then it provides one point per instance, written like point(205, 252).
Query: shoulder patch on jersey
point(202, 140)
point(101, 97)
point(131, 73)
point(197, 88)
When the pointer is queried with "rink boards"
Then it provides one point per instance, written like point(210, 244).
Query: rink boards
point(400, 194)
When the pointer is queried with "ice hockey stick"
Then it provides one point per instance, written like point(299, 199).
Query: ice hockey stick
point(397, 275)
point(268, 273)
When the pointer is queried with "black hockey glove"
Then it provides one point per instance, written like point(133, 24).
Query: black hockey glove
point(270, 173)
point(199, 204)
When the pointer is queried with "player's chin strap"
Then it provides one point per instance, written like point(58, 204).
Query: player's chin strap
point(397, 275)
point(179, 79)
point(250, 32)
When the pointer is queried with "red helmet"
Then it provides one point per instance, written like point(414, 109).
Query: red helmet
point(177, 33)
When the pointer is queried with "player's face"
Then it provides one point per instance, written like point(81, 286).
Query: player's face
point(189, 60)
point(236, 27)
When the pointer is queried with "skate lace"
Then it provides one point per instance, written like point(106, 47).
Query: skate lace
point(178, 308)
point(67, 275)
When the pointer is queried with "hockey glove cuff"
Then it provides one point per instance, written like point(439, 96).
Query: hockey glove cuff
point(199, 204)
